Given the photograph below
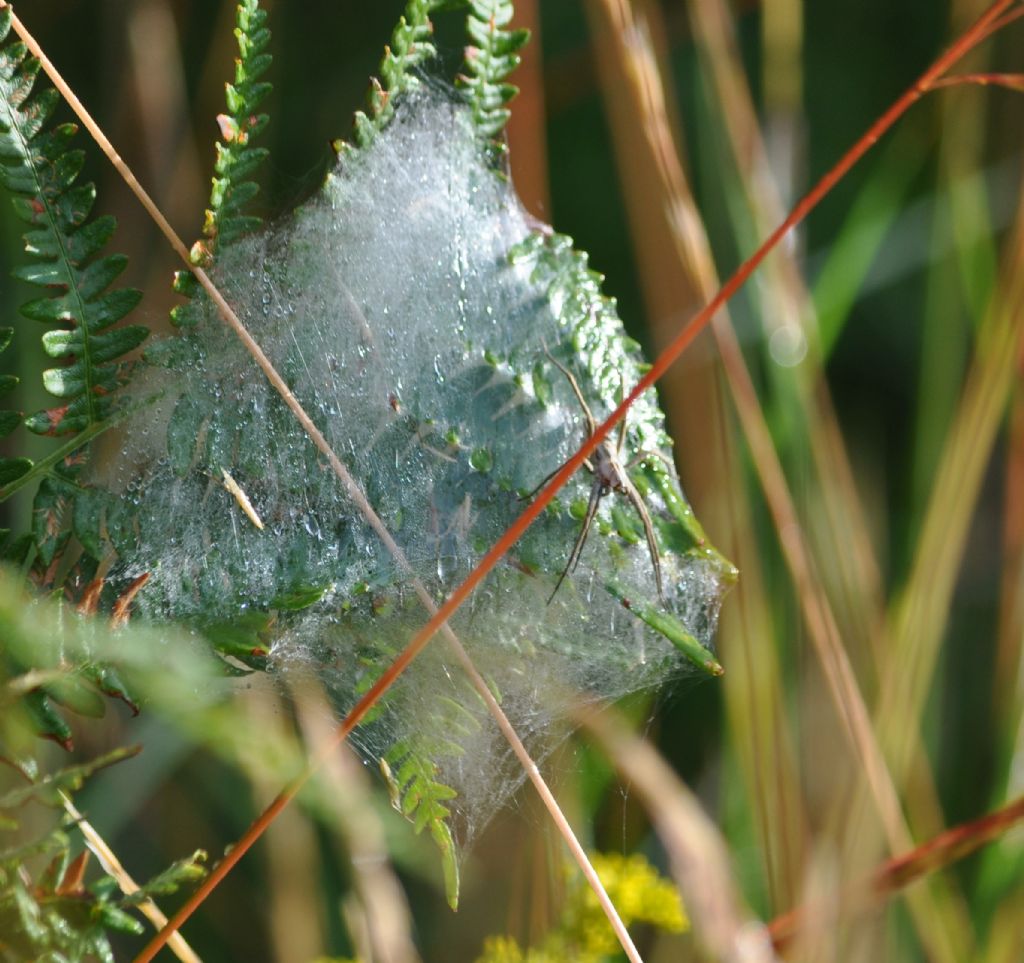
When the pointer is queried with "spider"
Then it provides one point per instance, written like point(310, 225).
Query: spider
point(609, 476)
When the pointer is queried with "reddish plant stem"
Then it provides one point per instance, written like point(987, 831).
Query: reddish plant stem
point(998, 23)
point(900, 871)
point(966, 42)
point(1010, 81)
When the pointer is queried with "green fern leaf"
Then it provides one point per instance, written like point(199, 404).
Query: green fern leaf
point(49, 511)
point(182, 872)
point(409, 49)
point(237, 160)
point(79, 307)
point(10, 468)
point(81, 311)
point(491, 56)
point(54, 914)
point(45, 719)
point(40, 170)
point(422, 798)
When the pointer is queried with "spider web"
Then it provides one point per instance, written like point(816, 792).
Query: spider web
point(392, 307)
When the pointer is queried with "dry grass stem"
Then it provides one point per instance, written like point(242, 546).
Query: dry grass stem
point(638, 66)
point(697, 853)
point(379, 916)
point(113, 867)
point(898, 873)
point(674, 286)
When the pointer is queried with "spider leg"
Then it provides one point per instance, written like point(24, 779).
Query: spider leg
point(652, 546)
point(577, 549)
point(551, 474)
point(541, 484)
point(575, 385)
point(597, 492)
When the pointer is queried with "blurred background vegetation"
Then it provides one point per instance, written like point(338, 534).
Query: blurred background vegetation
point(883, 344)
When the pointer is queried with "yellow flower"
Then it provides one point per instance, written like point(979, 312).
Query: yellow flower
point(501, 949)
point(639, 894)
point(583, 934)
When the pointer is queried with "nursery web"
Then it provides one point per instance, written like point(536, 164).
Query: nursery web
point(395, 309)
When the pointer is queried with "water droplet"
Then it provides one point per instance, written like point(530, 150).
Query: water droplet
point(788, 345)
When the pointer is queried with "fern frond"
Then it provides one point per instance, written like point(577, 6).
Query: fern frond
point(411, 768)
point(422, 798)
point(237, 158)
point(490, 58)
point(54, 913)
point(40, 170)
point(233, 189)
point(78, 686)
point(410, 48)
point(10, 468)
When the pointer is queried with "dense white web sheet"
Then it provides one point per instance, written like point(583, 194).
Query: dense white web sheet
point(390, 304)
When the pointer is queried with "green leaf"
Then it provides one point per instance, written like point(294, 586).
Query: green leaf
point(409, 49)
point(113, 918)
point(109, 682)
point(10, 468)
point(87, 521)
point(183, 872)
point(237, 158)
point(66, 248)
point(491, 57)
point(74, 693)
point(47, 519)
point(442, 837)
point(419, 795)
point(671, 628)
point(240, 638)
point(15, 550)
point(299, 598)
point(103, 347)
point(46, 720)
point(40, 169)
